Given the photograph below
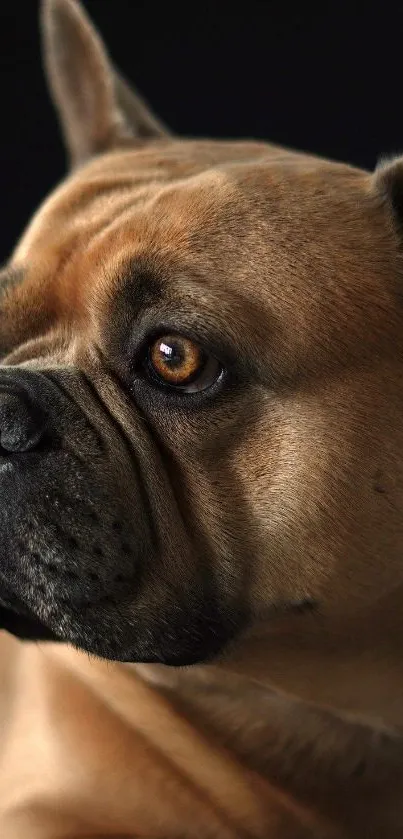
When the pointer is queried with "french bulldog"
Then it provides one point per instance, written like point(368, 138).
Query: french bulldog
point(201, 483)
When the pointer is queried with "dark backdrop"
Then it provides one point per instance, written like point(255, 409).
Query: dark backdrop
point(323, 76)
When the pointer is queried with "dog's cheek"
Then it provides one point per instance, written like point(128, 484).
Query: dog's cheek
point(307, 489)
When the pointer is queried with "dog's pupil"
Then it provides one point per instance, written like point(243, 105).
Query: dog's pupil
point(172, 354)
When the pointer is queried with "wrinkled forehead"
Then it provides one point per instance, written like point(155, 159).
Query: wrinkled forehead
point(203, 201)
point(117, 184)
point(165, 207)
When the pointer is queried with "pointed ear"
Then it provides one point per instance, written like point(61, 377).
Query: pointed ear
point(388, 178)
point(98, 110)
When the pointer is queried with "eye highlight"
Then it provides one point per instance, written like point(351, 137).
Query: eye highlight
point(178, 362)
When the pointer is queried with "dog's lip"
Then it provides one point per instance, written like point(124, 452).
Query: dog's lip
point(24, 625)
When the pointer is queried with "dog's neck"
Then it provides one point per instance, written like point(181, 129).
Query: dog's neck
point(354, 666)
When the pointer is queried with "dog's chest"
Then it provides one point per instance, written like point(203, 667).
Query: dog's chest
point(89, 750)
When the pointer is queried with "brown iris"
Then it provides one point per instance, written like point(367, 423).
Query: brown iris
point(176, 359)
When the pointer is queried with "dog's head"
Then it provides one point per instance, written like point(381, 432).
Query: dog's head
point(201, 391)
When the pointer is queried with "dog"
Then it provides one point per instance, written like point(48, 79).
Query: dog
point(201, 480)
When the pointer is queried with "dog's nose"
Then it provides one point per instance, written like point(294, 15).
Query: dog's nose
point(22, 420)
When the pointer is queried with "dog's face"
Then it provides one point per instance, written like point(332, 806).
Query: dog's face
point(201, 392)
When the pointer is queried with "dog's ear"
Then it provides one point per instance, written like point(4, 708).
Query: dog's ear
point(389, 183)
point(98, 110)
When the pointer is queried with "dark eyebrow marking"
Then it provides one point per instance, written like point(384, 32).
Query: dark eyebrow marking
point(10, 276)
point(140, 284)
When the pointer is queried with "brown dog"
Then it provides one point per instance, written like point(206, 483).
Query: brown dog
point(201, 429)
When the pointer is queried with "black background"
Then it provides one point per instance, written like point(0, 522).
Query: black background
point(326, 77)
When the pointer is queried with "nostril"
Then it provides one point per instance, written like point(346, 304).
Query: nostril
point(22, 421)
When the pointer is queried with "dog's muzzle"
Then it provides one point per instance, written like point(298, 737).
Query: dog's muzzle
point(67, 548)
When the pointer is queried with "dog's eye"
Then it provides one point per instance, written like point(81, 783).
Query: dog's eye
point(181, 363)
